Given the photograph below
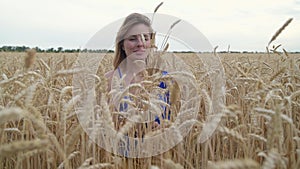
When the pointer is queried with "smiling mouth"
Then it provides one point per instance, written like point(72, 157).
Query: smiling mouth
point(139, 51)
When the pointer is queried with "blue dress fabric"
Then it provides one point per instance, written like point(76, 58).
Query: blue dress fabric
point(124, 150)
point(164, 97)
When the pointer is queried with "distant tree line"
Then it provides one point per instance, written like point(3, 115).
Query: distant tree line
point(52, 50)
point(62, 50)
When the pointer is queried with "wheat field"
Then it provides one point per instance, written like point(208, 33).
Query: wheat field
point(259, 127)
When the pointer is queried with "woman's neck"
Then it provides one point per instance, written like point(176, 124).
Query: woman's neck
point(132, 69)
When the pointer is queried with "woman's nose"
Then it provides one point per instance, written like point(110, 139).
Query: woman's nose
point(140, 41)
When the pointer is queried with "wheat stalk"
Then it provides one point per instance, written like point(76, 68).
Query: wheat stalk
point(10, 114)
point(235, 164)
point(280, 30)
point(29, 59)
point(155, 10)
point(22, 146)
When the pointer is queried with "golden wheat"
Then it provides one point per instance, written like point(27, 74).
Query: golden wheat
point(259, 128)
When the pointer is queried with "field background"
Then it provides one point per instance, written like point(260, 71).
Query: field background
point(259, 129)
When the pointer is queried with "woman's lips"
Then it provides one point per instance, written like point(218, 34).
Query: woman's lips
point(139, 51)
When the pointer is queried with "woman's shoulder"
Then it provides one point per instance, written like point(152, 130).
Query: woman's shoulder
point(109, 74)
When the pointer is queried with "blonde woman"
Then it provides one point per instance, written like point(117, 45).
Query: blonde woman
point(132, 48)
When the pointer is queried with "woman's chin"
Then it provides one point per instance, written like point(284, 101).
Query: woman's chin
point(138, 56)
point(140, 52)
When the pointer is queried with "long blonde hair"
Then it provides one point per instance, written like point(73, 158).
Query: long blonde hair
point(130, 21)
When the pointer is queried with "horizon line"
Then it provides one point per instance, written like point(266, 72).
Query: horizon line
point(61, 48)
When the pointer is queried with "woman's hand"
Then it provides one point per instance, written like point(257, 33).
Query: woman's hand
point(155, 126)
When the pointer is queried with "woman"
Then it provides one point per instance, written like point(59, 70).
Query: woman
point(134, 44)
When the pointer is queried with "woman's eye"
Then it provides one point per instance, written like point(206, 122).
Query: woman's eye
point(132, 39)
point(147, 37)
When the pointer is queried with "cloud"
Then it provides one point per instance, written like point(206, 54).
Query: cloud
point(245, 25)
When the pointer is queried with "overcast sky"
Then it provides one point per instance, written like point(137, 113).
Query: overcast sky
point(243, 24)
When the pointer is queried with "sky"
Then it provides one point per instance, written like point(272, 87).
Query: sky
point(241, 24)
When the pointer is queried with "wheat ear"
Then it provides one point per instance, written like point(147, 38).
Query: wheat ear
point(155, 10)
point(280, 30)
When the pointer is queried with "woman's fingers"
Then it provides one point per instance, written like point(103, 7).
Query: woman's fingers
point(155, 125)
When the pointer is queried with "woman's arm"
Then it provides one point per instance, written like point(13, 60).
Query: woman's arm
point(109, 76)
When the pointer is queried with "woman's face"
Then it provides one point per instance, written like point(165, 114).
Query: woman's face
point(134, 46)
